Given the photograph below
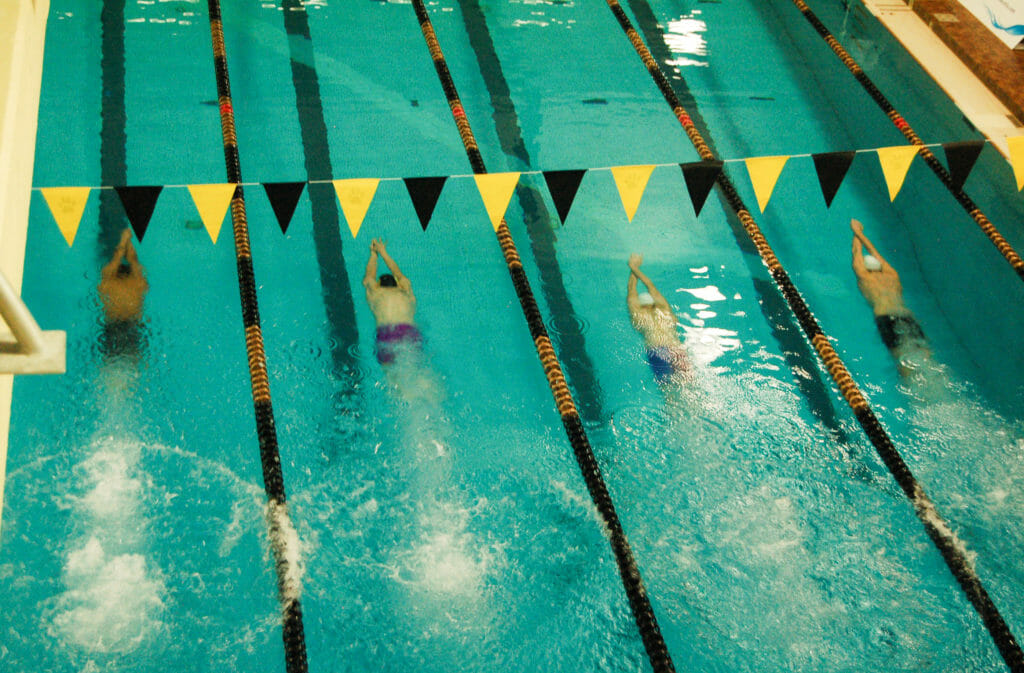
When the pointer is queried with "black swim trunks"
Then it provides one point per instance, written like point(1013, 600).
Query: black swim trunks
point(899, 330)
point(122, 337)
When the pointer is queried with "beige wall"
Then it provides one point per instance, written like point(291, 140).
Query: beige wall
point(22, 33)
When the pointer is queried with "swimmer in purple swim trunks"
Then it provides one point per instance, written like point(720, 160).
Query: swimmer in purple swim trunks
point(393, 305)
point(654, 319)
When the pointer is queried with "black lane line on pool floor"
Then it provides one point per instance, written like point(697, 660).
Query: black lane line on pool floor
point(113, 137)
point(950, 547)
point(281, 532)
point(337, 291)
point(1007, 251)
point(629, 572)
point(802, 362)
point(564, 322)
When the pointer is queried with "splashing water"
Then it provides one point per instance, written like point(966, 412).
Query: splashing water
point(112, 602)
point(113, 596)
point(285, 540)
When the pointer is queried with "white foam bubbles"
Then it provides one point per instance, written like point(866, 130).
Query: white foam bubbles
point(446, 557)
point(288, 550)
point(112, 601)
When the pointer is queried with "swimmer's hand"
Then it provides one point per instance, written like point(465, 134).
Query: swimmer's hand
point(377, 245)
point(635, 260)
point(856, 226)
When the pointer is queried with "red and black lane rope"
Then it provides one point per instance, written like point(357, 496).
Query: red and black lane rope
point(640, 604)
point(938, 530)
point(270, 459)
point(900, 123)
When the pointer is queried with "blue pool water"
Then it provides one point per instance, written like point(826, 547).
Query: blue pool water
point(442, 520)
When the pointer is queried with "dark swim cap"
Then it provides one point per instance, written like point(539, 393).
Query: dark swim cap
point(387, 280)
point(124, 270)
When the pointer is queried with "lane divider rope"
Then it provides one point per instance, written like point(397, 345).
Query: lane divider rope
point(279, 524)
point(900, 123)
point(643, 613)
point(951, 548)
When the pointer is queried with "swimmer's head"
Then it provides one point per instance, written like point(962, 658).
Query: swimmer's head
point(387, 280)
point(871, 263)
point(645, 299)
point(124, 270)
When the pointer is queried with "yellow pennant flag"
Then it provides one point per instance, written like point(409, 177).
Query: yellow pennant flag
point(496, 191)
point(1017, 158)
point(67, 205)
point(895, 164)
point(764, 173)
point(355, 196)
point(631, 181)
point(212, 202)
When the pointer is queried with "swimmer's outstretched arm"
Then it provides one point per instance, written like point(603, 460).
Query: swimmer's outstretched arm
point(635, 261)
point(370, 277)
point(123, 246)
point(858, 239)
point(631, 296)
point(400, 278)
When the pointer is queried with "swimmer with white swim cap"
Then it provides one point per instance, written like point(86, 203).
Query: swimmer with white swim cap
point(880, 285)
point(653, 318)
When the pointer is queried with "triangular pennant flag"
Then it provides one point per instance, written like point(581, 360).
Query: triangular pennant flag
point(563, 186)
point(700, 177)
point(1016, 145)
point(283, 197)
point(139, 203)
point(764, 173)
point(831, 168)
point(212, 202)
point(631, 181)
point(424, 193)
point(355, 195)
point(895, 164)
point(960, 157)
point(67, 205)
point(496, 191)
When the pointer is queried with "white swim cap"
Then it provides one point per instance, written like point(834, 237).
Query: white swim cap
point(645, 299)
point(871, 263)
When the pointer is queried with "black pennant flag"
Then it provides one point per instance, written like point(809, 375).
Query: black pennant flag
point(563, 186)
point(700, 177)
point(424, 193)
point(831, 168)
point(284, 196)
point(961, 157)
point(138, 203)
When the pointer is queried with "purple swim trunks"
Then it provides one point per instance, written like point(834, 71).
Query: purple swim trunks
point(391, 337)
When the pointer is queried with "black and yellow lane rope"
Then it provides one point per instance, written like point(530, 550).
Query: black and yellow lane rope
point(640, 604)
point(278, 521)
point(952, 550)
point(900, 123)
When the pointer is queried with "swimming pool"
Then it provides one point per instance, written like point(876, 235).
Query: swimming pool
point(448, 526)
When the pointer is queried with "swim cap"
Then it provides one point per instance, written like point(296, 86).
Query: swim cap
point(387, 280)
point(871, 263)
point(645, 299)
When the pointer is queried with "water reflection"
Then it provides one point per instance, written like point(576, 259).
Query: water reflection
point(685, 39)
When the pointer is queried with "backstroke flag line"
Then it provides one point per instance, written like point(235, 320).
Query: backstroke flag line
point(355, 195)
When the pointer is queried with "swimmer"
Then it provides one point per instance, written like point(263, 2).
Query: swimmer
point(880, 285)
point(654, 319)
point(122, 289)
point(393, 304)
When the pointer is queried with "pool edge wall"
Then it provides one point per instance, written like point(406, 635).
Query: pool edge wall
point(22, 37)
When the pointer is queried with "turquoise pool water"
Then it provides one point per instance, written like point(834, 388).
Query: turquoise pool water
point(443, 522)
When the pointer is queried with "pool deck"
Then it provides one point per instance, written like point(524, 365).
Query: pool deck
point(979, 73)
point(1001, 69)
